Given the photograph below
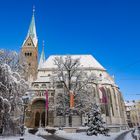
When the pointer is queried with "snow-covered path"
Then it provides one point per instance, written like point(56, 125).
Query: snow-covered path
point(128, 136)
point(122, 136)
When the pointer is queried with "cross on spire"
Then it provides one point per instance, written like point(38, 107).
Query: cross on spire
point(33, 9)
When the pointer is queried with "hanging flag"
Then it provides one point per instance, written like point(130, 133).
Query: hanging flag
point(71, 99)
point(104, 95)
point(47, 102)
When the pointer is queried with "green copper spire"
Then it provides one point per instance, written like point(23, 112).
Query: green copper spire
point(32, 29)
point(42, 57)
point(43, 54)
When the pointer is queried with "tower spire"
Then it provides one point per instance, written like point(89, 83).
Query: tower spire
point(32, 29)
point(42, 57)
point(43, 53)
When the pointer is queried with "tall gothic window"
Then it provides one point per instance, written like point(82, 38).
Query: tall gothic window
point(110, 98)
point(105, 102)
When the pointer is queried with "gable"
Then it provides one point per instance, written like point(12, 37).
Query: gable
point(28, 42)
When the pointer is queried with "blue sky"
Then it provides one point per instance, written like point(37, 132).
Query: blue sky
point(107, 29)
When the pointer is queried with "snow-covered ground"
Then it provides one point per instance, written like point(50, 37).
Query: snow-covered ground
point(70, 136)
point(83, 136)
point(42, 132)
point(27, 136)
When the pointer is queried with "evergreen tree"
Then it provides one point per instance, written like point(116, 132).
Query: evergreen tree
point(96, 123)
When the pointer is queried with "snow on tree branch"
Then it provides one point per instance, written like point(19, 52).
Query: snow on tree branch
point(12, 88)
point(72, 76)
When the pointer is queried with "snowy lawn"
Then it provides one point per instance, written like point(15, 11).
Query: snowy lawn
point(83, 136)
point(27, 136)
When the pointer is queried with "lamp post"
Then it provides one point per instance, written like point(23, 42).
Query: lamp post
point(25, 100)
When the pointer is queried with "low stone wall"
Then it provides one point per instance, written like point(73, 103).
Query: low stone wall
point(59, 121)
point(114, 128)
point(76, 121)
point(70, 129)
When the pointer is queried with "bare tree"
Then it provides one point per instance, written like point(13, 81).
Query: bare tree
point(76, 81)
point(16, 61)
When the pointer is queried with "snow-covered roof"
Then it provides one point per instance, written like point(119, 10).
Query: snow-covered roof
point(87, 61)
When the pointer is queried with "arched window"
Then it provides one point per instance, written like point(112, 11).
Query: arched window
point(43, 85)
point(110, 100)
point(104, 101)
point(36, 85)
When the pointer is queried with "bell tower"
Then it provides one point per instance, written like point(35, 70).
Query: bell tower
point(30, 51)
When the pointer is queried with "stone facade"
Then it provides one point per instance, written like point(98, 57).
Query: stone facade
point(31, 56)
point(113, 112)
point(133, 113)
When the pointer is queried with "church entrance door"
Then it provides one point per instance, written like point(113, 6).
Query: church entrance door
point(37, 119)
point(43, 119)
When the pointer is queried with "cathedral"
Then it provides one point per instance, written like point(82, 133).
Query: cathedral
point(39, 76)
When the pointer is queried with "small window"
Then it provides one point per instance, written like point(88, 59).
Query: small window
point(36, 85)
point(100, 75)
point(52, 94)
point(29, 44)
point(27, 54)
point(44, 85)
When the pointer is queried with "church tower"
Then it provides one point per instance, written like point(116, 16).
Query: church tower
point(30, 51)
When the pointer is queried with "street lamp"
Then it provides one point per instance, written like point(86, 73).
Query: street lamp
point(25, 100)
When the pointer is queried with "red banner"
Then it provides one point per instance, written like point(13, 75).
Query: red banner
point(71, 100)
